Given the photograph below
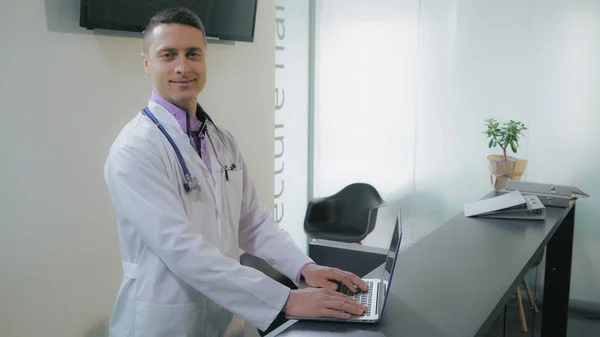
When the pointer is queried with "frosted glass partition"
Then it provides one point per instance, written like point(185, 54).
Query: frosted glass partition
point(403, 88)
point(365, 96)
point(291, 116)
point(565, 143)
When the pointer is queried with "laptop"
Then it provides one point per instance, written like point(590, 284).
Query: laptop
point(376, 297)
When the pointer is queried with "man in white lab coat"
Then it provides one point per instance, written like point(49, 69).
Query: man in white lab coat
point(180, 242)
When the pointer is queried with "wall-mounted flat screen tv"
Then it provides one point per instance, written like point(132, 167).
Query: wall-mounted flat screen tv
point(232, 20)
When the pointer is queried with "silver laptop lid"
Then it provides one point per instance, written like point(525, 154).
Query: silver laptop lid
point(390, 260)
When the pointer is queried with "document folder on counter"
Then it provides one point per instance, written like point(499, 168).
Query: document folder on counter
point(549, 194)
point(511, 205)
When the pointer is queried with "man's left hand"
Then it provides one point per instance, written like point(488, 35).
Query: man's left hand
point(321, 276)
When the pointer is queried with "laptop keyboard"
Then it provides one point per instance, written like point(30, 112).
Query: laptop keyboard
point(362, 297)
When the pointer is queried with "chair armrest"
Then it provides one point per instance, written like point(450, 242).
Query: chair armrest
point(371, 222)
point(383, 204)
point(358, 259)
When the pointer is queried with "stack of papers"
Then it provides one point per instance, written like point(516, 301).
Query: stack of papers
point(511, 205)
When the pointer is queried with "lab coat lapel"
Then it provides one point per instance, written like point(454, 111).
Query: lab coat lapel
point(183, 143)
point(213, 149)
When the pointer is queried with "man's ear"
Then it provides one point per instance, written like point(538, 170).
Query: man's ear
point(146, 63)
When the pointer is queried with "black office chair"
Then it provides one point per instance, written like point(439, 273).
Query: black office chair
point(347, 216)
point(259, 264)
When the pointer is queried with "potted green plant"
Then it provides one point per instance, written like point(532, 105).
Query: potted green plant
point(503, 167)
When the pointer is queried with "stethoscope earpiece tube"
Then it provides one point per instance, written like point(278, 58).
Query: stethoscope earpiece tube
point(191, 182)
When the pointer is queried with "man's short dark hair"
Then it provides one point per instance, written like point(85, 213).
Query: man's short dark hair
point(181, 16)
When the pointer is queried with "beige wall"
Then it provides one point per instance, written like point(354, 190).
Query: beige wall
point(64, 94)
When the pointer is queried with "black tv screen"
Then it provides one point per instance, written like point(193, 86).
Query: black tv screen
point(223, 19)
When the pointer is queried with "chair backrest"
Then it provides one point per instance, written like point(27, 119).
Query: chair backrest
point(348, 216)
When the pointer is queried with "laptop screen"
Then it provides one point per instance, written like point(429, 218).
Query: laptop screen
point(394, 245)
point(390, 260)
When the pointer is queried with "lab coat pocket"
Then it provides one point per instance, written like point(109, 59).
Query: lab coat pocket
point(234, 193)
point(235, 182)
point(181, 320)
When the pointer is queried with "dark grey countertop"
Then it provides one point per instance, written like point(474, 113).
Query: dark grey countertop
point(453, 282)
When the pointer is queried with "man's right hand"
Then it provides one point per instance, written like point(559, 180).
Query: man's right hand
point(320, 302)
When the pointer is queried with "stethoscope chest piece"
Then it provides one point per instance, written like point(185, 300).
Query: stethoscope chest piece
point(192, 183)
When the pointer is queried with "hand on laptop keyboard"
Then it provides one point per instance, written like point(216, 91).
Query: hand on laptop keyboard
point(363, 297)
point(325, 277)
point(342, 288)
point(319, 302)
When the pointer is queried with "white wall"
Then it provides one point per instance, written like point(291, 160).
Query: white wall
point(403, 89)
point(65, 93)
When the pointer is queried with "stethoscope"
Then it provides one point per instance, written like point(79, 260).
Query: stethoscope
point(190, 182)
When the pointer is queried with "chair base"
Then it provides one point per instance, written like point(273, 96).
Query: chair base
point(520, 303)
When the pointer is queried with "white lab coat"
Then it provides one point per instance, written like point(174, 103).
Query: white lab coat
point(180, 250)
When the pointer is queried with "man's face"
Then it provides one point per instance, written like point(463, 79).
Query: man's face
point(175, 58)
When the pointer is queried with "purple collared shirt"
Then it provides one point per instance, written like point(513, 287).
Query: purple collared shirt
point(179, 115)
